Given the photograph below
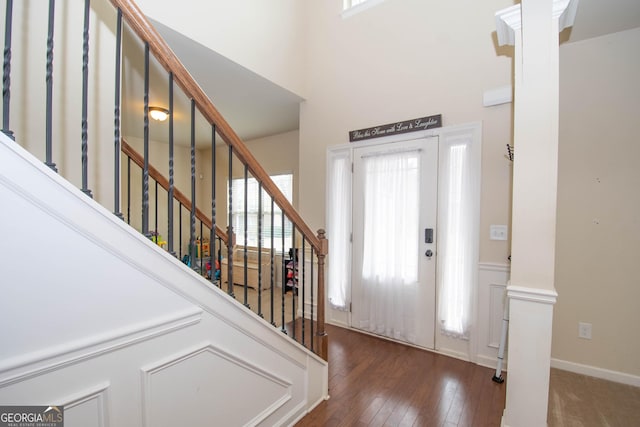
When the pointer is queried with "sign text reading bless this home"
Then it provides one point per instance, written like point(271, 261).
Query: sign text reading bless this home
point(413, 125)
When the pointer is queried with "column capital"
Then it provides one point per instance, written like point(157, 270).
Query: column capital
point(509, 20)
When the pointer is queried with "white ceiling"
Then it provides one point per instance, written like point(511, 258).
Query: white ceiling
point(599, 17)
point(253, 106)
point(256, 107)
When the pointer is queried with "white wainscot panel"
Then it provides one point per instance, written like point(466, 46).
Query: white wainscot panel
point(492, 283)
point(87, 408)
point(496, 313)
point(176, 390)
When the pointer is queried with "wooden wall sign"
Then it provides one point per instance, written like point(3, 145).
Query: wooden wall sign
point(414, 125)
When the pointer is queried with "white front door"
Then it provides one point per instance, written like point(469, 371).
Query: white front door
point(394, 240)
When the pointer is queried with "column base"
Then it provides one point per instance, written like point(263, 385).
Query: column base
point(530, 330)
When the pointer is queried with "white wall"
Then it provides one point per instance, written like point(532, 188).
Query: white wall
point(401, 60)
point(598, 230)
point(120, 332)
point(159, 158)
point(28, 96)
point(264, 37)
point(277, 154)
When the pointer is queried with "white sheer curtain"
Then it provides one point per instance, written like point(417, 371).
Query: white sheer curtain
point(339, 229)
point(390, 258)
point(457, 244)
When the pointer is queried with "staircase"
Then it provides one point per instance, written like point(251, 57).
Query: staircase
point(118, 320)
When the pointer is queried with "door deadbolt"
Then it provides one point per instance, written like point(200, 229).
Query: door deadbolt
point(429, 253)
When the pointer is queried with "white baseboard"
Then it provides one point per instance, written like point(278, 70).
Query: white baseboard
point(340, 324)
point(592, 371)
point(490, 362)
point(308, 310)
point(460, 355)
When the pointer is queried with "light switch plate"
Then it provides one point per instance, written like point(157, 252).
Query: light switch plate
point(498, 232)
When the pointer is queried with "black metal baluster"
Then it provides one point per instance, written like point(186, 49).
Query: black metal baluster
point(260, 250)
point(49, 78)
point(180, 230)
point(303, 286)
point(155, 215)
point(212, 236)
point(192, 216)
point(6, 71)
point(246, 236)
point(85, 100)
point(284, 276)
point(145, 168)
point(273, 267)
point(116, 120)
point(294, 283)
point(171, 172)
point(230, 228)
point(201, 248)
point(312, 320)
point(219, 264)
point(128, 190)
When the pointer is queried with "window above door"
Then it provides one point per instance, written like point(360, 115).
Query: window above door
point(352, 7)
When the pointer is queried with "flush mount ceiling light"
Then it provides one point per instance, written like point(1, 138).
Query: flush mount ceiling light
point(158, 113)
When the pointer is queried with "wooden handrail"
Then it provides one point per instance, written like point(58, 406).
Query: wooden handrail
point(164, 183)
point(138, 22)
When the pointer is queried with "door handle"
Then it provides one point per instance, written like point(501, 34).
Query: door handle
point(429, 253)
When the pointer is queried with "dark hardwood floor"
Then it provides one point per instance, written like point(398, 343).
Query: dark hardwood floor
point(374, 382)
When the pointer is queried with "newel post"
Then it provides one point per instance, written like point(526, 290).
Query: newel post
point(322, 334)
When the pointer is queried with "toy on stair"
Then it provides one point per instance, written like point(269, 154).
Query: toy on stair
point(158, 240)
point(217, 272)
point(202, 248)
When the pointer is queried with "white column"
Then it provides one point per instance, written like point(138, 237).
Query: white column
point(532, 27)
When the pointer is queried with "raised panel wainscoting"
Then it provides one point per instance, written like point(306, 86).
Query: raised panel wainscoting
point(119, 332)
point(492, 284)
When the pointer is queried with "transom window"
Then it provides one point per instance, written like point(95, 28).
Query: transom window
point(348, 4)
point(351, 7)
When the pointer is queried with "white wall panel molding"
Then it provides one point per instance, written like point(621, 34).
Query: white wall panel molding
point(88, 408)
point(51, 359)
point(494, 266)
point(492, 284)
point(118, 239)
point(197, 376)
point(496, 309)
point(115, 294)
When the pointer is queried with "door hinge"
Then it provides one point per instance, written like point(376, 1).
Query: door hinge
point(351, 167)
point(350, 307)
point(351, 238)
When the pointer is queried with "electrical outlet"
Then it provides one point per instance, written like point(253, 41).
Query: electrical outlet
point(584, 330)
point(498, 232)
